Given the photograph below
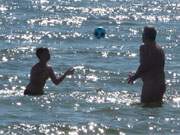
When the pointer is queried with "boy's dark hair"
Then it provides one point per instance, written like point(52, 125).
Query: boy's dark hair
point(40, 50)
point(150, 33)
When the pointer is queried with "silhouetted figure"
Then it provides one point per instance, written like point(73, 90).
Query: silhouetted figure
point(151, 68)
point(41, 71)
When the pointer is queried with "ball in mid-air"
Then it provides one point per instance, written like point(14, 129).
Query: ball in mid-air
point(99, 32)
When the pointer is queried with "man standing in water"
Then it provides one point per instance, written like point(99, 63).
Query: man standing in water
point(151, 68)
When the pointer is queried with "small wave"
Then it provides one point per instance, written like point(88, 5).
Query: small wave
point(12, 53)
point(73, 21)
point(107, 97)
point(58, 128)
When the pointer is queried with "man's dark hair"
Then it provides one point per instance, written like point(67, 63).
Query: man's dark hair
point(150, 33)
point(40, 50)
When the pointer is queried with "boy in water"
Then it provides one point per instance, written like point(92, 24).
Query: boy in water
point(41, 71)
point(151, 68)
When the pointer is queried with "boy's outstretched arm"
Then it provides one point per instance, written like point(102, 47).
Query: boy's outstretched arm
point(57, 80)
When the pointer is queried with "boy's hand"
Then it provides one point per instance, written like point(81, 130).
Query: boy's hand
point(70, 71)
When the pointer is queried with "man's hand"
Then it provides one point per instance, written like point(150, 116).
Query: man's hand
point(131, 79)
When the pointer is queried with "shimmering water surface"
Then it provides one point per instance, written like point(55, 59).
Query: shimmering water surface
point(97, 99)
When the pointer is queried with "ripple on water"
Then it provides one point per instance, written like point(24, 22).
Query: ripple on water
point(58, 129)
point(101, 97)
point(73, 21)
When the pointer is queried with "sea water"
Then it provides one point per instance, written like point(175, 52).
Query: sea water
point(96, 100)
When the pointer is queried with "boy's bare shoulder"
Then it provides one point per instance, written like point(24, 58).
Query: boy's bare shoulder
point(159, 47)
point(49, 68)
point(35, 67)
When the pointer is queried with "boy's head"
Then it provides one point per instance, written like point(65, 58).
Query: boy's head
point(149, 34)
point(43, 53)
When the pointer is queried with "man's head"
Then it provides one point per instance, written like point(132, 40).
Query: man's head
point(43, 54)
point(149, 34)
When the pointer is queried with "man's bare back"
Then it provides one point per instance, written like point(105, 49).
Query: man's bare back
point(151, 69)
